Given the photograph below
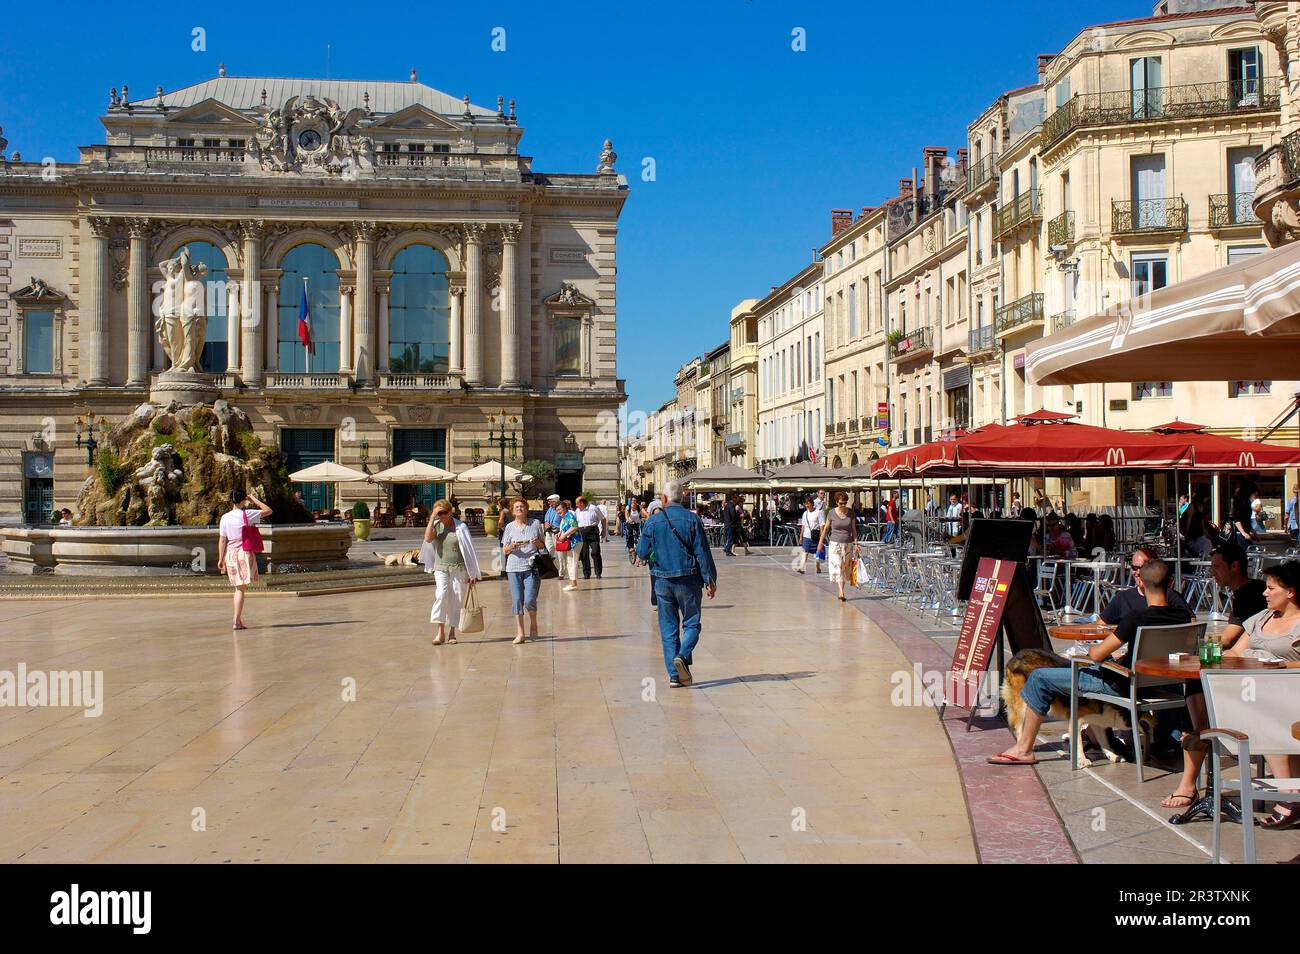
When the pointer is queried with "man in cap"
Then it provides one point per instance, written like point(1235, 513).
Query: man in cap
point(551, 521)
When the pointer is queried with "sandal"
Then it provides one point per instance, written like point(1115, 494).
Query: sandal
point(1189, 800)
point(1276, 821)
point(1006, 758)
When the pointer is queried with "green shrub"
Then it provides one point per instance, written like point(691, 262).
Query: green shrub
point(112, 470)
point(360, 511)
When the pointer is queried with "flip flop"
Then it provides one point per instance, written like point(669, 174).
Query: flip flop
point(1191, 800)
point(1282, 823)
point(1005, 758)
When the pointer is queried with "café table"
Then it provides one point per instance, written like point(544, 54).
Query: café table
point(1188, 668)
point(1295, 730)
point(1080, 631)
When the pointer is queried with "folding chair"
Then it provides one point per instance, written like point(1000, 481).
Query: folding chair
point(1251, 712)
point(1150, 642)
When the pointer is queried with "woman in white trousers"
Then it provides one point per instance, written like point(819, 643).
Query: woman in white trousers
point(448, 553)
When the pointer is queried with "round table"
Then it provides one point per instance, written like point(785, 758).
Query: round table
point(1080, 631)
point(1295, 730)
point(1189, 669)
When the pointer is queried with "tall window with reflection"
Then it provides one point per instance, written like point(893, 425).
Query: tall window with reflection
point(419, 317)
point(38, 344)
point(215, 343)
point(568, 346)
point(319, 266)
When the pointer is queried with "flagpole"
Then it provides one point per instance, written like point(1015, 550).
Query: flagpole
point(306, 348)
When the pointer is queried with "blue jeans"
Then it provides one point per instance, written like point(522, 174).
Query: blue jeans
point(730, 540)
point(679, 616)
point(888, 535)
point(523, 590)
point(1045, 683)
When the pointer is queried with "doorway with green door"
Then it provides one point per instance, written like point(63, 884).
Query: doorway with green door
point(428, 445)
point(306, 447)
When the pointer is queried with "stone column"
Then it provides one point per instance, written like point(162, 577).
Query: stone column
point(345, 329)
point(252, 323)
point(271, 333)
point(509, 313)
point(232, 327)
point(381, 323)
point(524, 301)
point(138, 312)
point(455, 361)
point(364, 367)
point(94, 318)
point(474, 304)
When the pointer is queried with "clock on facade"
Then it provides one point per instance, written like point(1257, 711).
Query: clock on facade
point(309, 140)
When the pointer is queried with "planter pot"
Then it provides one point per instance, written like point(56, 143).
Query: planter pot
point(490, 524)
point(362, 529)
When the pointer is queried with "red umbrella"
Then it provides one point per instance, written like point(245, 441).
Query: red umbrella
point(1217, 452)
point(1065, 447)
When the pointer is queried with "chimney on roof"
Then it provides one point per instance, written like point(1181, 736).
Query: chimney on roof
point(841, 219)
point(1044, 61)
point(935, 158)
point(904, 187)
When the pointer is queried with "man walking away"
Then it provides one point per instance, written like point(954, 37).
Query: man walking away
point(682, 569)
point(592, 528)
point(729, 521)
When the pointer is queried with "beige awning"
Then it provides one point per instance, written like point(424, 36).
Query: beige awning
point(326, 472)
point(1238, 321)
point(489, 472)
point(414, 472)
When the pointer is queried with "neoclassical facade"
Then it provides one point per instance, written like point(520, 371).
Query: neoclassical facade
point(445, 280)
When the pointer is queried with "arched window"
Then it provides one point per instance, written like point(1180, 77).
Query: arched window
point(319, 266)
point(419, 316)
point(215, 343)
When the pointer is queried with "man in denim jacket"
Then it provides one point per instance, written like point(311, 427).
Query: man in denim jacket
point(682, 570)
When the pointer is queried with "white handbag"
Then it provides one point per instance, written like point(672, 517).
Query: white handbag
point(471, 614)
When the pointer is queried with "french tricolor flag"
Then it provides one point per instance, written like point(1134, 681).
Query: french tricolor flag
point(304, 322)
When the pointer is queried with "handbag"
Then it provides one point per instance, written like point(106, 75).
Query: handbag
point(471, 614)
point(250, 538)
point(544, 565)
point(563, 544)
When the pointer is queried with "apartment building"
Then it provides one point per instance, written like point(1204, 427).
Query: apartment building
point(742, 393)
point(791, 372)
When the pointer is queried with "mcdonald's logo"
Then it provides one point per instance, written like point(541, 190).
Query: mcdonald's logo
point(1115, 457)
point(1247, 459)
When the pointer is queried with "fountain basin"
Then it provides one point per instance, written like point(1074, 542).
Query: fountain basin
point(152, 551)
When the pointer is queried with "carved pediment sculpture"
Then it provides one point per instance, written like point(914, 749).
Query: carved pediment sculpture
point(37, 289)
point(569, 297)
point(313, 136)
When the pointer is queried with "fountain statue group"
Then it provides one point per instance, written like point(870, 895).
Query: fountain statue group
point(181, 321)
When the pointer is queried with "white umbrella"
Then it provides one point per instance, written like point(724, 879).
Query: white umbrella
point(413, 472)
point(489, 472)
point(326, 472)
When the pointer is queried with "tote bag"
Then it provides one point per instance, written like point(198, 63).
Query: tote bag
point(250, 537)
point(471, 614)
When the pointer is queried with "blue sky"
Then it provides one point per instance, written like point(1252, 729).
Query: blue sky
point(753, 143)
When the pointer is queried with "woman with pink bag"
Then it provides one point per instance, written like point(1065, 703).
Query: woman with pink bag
point(238, 544)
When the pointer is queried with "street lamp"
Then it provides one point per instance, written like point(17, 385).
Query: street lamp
point(87, 439)
point(498, 436)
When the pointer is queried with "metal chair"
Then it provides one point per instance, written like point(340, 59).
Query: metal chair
point(1150, 642)
point(1250, 712)
point(1045, 586)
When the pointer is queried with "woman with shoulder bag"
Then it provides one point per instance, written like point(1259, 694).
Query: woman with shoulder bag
point(842, 547)
point(522, 544)
point(568, 542)
point(448, 553)
point(238, 543)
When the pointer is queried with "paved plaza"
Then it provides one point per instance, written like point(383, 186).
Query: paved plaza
point(568, 749)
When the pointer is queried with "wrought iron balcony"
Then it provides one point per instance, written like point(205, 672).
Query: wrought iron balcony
point(735, 439)
point(1027, 207)
point(980, 340)
point(853, 425)
point(868, 423)
point(912, 343)
point(1228, 210)
point(1058, 322)
point(840, 427)
point(830, 430)
point(982, 173)
point(1167, 103)
point(1020, 313)
point(1148, 215)
point(1060, 231)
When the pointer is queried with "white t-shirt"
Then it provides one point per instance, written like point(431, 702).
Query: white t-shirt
point(811, 522)
point(232, 523)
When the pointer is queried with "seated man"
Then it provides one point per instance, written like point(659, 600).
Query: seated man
point(1129, 600)
point(1228, 565)
point(1043, 684)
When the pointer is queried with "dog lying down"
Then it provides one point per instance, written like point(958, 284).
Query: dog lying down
point(1094, 716)
point(405, 558)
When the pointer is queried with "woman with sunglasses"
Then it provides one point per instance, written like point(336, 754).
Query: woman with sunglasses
point(448, 554)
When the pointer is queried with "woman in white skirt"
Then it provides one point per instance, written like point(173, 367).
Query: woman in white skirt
point(448, 553)
point(840, 537)
point(239, 565)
